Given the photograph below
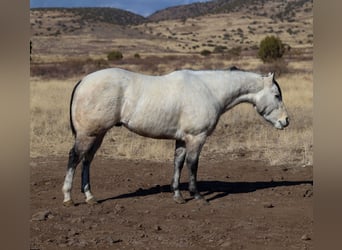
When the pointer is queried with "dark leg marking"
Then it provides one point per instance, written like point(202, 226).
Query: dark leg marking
point(74, 159)
point(179, 158)
point(88, 157)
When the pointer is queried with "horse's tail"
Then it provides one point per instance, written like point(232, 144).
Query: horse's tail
point(72, 97)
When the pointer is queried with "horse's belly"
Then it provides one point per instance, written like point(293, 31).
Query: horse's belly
point(163, 128)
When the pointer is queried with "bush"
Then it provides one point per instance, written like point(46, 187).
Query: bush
point(114, 55)
point(137, 55)
point(271, 49)
point(205, 52)
point(220, 49)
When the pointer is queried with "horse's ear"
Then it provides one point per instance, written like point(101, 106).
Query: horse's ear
point(268, 80)
point(271, 74)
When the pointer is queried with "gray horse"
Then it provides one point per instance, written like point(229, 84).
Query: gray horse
point(184, 105)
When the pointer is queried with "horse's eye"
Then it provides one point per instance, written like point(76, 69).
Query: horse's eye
point(277, 96)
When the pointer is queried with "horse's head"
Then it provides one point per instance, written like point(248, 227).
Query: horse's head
point(269, 103)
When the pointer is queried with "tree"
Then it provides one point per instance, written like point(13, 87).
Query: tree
point(114, 55)
point(205, 52)
point(271, 49)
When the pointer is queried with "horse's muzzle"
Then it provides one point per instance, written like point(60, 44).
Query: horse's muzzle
point(282, 123)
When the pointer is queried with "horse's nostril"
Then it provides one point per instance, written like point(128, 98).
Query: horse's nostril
point(286, 121)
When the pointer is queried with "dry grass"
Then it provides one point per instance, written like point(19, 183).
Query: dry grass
point(240, 132)
point(165, 46)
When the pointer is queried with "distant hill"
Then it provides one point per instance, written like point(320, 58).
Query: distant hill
point(107, 15)
point(223, 27)
point(275, 9)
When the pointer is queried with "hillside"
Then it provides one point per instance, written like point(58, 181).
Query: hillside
point(85, 36)
point(275, 9)
point(105, 15)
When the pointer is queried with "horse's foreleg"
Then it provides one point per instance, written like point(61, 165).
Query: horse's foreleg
point(179, 159)
point(88, 157)
point(74, 159)
point(193, 149)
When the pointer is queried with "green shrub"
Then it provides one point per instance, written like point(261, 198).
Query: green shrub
point(271, 48)
point(137, 55)
point(114, 55)
point(205, 52)
point(219, 49)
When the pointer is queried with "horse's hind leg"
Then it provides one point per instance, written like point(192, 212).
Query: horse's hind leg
point(74, 159)
point(81, 146)
point(180, 153)
point(88, 157)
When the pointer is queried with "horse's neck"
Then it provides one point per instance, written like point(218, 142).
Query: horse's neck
point(238, 87)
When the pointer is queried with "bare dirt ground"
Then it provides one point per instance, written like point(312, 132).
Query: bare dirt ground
point(252, 206)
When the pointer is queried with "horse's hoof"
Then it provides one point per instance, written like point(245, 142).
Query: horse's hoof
point(179, 199)
point(200, 199)
point(68, 203)
point(92, 201)
point(203, 201)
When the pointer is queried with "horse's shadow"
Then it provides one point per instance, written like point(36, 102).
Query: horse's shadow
point(211, 187)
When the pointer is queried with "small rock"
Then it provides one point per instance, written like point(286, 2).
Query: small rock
point(110, 240)
point(76, 220)
point(157, 228)
point(40, 216)
point(305, 237)
point(71, 242)
point(72, 232)
point(95, 241)
point(226, 244)
point(82, 243)
point(119, 208)
point(308, 193)
point(268, 205)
